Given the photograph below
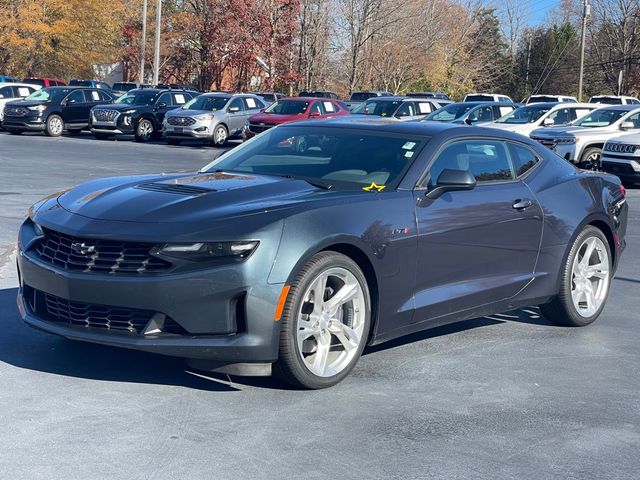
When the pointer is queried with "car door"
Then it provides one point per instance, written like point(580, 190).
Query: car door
point(74, 107)
point(329, 108)
point(95, 97)
point(406, 111)
point(475, 246)
point(236, 115)
point(252, 106)
point(164, 103)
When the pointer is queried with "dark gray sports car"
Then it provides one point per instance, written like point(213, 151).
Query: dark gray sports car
point(314, 239)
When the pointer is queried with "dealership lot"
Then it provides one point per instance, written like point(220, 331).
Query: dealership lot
point(508, 396)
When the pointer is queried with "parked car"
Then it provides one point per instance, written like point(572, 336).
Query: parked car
point(46, 82)
point(397, 108)
point(299, 249)
point(358, 98)
point(437, 95)
point(214, 117)
point(89, 83)
point(53, 110)
point(487, 97)
point(291, 109)
point(319, 94)
point(582, 142)
point(7, 79)
point(551, 98)
point(614, 100)
point(120, 88)
point(14, 91)
point(471, 112)
point(621, 157)
point(139, 113)
point(269, 97)
point(525, 119)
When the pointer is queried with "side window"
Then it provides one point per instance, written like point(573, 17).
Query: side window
point(179, 98)
point(424, 108)
point(483, 114)
point(251, 103)
point(635, 118)
point(237, 103)
point(316, 108)
point(165, 98)
point(504, 111)
point(580, 112)
point(6, 92)
point(329, 107)
point(23, 91)
point(407, 109)
point(77, 96)
point(523, 158)
point(92, 96)
point(562, 116)
point(486, 160)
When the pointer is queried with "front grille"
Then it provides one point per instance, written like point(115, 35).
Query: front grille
point(547, 142)
point(259, 127)
point(175, 188)
point(98, 256)
point(181, 121)
point(620, 148)
point(16, 111)
point(105, 115)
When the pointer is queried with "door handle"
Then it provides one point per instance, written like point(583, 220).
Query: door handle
point(522, 204)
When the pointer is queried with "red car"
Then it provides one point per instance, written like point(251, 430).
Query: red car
point(291, 109)
point(45, 82)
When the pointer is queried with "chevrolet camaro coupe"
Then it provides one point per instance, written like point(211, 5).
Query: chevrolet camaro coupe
point(292, 252)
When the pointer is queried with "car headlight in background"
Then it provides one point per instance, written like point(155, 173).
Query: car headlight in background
point(566, 140)
point(207, 251)
point(204, 117)
point(38, 108)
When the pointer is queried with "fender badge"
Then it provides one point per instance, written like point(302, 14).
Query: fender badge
point(374, 187)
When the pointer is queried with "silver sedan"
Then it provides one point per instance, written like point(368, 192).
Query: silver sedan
point(215, 117)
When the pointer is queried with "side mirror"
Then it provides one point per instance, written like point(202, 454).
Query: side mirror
point(71, 101)
point(161, 105)
point(627, 126)
point(234, 109)
point(452, 180)
point(471, 119)
point(314, 114)
point(548, 122)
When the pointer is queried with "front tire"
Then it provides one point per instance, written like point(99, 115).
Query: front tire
point(220, 136)
point(54, 126)
point(591, 158)
point(325, 322)
point(144, 130)
point(584, 281)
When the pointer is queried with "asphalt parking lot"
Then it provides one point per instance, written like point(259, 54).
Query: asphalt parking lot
point(501, 397)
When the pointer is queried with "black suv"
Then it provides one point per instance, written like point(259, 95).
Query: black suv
point(53, 110)
point(140, 113)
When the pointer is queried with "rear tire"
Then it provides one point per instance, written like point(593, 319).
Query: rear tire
point(321, 341)
point(54, 126)
point(584, 281)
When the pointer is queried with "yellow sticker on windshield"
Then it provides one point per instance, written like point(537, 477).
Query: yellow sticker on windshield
point(374, 187)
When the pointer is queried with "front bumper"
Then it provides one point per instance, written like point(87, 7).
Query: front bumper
point(33, 123)
point(627, 169)
point(199, 130)
point(220, 315)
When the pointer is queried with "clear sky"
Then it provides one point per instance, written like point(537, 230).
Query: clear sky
point(538, 9)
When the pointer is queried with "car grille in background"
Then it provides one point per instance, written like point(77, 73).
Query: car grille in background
point(175, 188)
point(620, 148)
point(547, 142)
point(16, 111)
point(98, 256)
point(259, 127)
point(181, 121)
point(105, 115)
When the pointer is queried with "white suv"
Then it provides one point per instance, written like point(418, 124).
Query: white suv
point(551, 98)
point(582, 141)
point(526, 119)
point(487, 97)
point(621, 156)
point(614, 100)
point(14, 91)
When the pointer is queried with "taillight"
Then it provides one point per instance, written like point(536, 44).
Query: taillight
point(623, 190)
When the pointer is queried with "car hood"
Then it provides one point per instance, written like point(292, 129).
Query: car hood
point(121, 107)
point(276, 118)
point(185, 198)
point(570, 131)
point(25, 103)
point(179, 112)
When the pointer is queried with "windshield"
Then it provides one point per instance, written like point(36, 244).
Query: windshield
point(342, 159)
point(137, 98)
point(479, 98)
point(601, 118)
point(35, 81)
point(542, 98)
point(47, 94)
point(81, 83)
point(606, 100)
point(361, 96)
point(288, 107)
point(524, 115)
point(123, 87)
point(380, 108)
point(204, 102)
point(450, 112)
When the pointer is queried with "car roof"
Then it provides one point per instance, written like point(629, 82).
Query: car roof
point(625, 108)
point(559, 105)
point(479, 103)
point(308, 99)
point(18, 84)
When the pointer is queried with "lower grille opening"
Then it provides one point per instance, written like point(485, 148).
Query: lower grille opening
point(239, 311)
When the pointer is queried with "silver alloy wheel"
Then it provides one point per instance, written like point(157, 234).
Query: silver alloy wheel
point(590, 277)
point(220, 136)
point(145, 129)
point(330, 322)
point(56, 126)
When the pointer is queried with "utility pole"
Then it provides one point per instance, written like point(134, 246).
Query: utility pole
point(143, 44)
point(585, 13)
point(156, 55)
point(526, 80)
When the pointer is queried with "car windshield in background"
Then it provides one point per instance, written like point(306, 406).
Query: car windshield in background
point(288, 107)
point(381, 108)
point(47, 94)
point(81, 83)
point(342, 159)
point(450, 112)
point(124, 87)
point(266, 97)
point(209, 104)
point(524, 115)
point(478, 98)
point(137, 98)
point(35, 81)
point(542, 98)
point(606, 100)
point(362, 96)
point(601, 118)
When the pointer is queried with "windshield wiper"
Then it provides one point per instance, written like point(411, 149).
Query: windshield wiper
point(311, 181)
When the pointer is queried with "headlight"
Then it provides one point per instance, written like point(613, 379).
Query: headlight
point(128, 112)
point(232, 251)
point(566, 140)
point(204, 117)
point(38, 108)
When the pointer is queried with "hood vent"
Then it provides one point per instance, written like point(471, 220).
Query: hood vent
point(175, 188)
